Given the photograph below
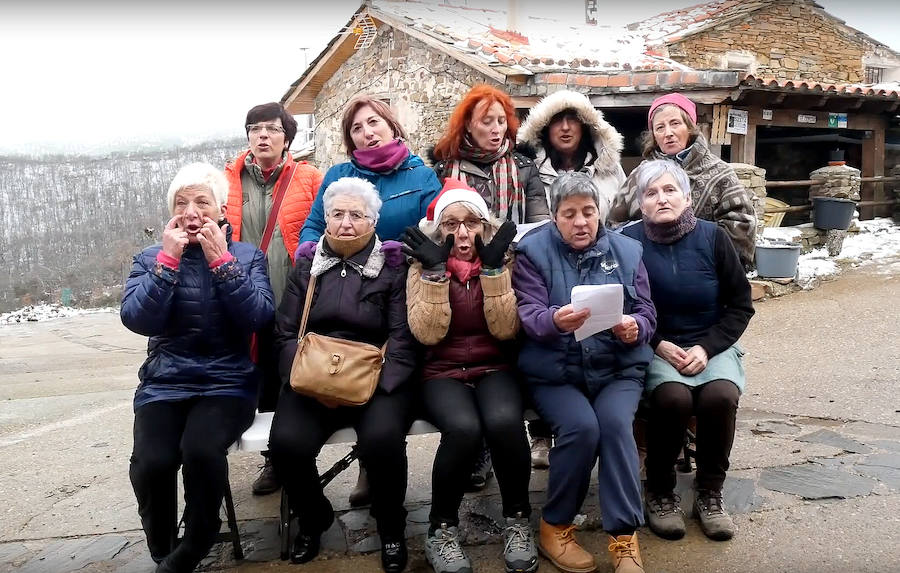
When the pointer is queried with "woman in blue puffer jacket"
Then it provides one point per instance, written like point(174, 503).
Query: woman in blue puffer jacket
point(198, 296)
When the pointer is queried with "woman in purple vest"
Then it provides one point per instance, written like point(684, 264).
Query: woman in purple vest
point(588, 389)
point(703, 302)
point(461, 306)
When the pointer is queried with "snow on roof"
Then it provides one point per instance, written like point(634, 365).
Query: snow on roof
point(550, 45)
point(674, 25)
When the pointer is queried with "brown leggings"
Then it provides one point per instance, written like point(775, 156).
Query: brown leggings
point(671, 406)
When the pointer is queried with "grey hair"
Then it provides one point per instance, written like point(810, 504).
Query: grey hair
point(354, 187)
point(574, 184)
point(649, 171)
point(198, 176)
point(432, 229)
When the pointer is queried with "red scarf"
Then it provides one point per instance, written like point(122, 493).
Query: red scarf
point(464, 270)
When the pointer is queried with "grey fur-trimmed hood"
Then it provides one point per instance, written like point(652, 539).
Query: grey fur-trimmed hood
point(608, 142)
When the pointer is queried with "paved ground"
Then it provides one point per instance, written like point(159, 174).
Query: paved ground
point(815, 480)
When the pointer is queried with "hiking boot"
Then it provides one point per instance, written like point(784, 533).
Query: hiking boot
point(664, 515)
point(714, 520)
point(360, 494)
point(444, 553)
point(625, 554)
point(540, 453)
point(267, 482)
point(482, 471)
point(519, 551)
point(557, 543)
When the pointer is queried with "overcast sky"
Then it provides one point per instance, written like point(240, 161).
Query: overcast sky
point(89, 73)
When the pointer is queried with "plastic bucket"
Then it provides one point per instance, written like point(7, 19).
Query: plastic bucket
point(777, 260)
point(832, 212)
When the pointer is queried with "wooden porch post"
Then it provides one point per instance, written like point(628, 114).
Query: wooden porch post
point(873, 165)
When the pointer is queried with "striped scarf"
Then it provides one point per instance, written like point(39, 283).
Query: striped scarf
point(508, 202)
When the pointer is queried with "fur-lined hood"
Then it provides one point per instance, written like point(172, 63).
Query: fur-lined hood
point(608, 142)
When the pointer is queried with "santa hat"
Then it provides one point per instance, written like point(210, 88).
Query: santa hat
point(675, 99)
point(456, 191)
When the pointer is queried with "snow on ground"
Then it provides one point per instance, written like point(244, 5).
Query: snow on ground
point(878, 241)
point(40, 312)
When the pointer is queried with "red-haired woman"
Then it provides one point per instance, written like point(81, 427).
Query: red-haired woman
point(478, 148)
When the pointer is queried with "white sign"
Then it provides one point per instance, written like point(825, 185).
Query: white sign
point(737, 121)
point(767, 114)
point(803, 118)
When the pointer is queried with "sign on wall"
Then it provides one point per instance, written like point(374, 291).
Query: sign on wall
point(837, 120)
point(737, 121)
point(767, 114)
point(805, 118)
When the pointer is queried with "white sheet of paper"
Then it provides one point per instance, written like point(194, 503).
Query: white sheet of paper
point(605, 303)
point(523, 228)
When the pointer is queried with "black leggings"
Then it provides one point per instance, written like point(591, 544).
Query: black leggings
point(195, 434)
point(672, 405)
point(489, 407)
point(300, 429)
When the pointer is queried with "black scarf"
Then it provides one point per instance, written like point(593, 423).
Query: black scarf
point(668, 233)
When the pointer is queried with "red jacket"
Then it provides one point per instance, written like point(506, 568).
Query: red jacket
point(301, 193)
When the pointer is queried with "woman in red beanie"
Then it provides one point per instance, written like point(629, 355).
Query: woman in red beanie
point(716, 193)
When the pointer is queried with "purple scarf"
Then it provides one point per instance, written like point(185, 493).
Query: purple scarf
point(382, 159)
point(668, 233)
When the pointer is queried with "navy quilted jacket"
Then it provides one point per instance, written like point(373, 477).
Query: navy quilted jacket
point(199, 322)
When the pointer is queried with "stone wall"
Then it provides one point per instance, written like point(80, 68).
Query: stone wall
point(753, 178)
point(421, 84)
point(788, 39)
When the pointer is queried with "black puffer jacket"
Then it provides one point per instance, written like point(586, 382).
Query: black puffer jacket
point(479, 177)
point(361, 298)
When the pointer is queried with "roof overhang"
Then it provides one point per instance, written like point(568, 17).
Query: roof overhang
point(301, 96)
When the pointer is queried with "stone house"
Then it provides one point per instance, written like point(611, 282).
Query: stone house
point(793, 72)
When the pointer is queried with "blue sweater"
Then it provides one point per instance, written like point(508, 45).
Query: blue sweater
point(199, 322)
point(405, 192)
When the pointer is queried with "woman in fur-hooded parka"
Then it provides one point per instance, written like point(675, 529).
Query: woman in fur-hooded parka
point(598, 156)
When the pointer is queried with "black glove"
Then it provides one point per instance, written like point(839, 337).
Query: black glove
point(492, 254)
point(424, 250)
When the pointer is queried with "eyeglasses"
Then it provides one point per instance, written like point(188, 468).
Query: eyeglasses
point(271, 128)
point(338, 216)
point(452, 225)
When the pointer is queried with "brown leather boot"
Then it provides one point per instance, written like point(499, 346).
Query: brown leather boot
point(557, 543)
point(625, 553)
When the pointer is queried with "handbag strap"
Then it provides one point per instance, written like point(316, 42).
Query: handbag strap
point(309, 296)
point(280, 192)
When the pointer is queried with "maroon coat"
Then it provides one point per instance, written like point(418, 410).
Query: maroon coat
point(469, 351)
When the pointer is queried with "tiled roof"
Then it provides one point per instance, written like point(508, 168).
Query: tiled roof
point(890, 90)
point(555, 46)
point(672, 26)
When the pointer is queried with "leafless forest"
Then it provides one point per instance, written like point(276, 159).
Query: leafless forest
point(69, 225)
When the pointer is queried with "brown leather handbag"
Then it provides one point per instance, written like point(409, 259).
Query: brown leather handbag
point(333, 370)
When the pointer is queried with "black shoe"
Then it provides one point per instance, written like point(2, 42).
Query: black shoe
point(267, 482)
point(305, 547)
point(394, 556)
point(482, 471)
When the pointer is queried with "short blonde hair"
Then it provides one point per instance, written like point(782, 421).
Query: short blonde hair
point(199, 175)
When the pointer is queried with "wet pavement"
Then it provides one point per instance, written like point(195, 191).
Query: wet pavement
point(814, 483)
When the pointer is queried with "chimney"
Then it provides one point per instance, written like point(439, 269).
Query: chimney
point(512, 16)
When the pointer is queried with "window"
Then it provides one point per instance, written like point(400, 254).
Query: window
point(874, 75)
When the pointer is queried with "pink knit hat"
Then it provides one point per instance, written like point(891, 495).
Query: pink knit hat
point(675, 99)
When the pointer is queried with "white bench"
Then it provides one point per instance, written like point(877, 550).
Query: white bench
point(256, 439)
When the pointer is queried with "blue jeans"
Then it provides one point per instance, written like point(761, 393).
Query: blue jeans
point(586, 428)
